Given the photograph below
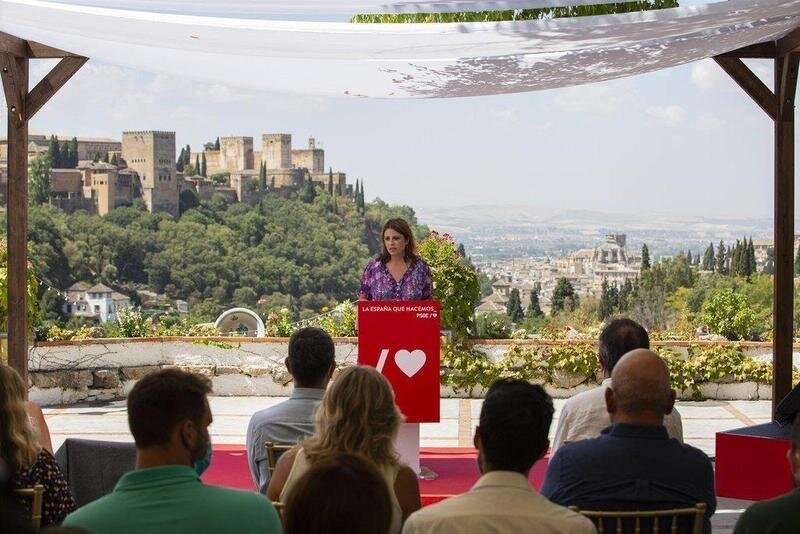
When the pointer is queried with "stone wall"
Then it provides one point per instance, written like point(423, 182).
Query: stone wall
point(73, 371)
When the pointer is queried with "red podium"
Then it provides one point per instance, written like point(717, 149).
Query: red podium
point(401, 340)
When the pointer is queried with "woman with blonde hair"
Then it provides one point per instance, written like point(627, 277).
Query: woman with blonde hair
point(357, 415)
point(27, 461)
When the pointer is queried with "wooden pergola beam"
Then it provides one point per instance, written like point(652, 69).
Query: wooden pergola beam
point(29, 49)
point(15, 56)
point(756, 51)
point(51, 83)
point(779, 105)
point(751, 84)
point(788, 44)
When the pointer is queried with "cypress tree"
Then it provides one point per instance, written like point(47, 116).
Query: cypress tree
point(106, 159)
point(514, 307)
point(721, 266)
point(330, 180)
point(73, 153)
point(179, 161)
point(708, 258)
point(606, 307)
point(114, 160)
point(752, 266)
point(735, 257)
point(216, 144)
point(689, 259)
point(645, 258)
point(54, 151)
point(203, 169)
point(187, 156)
point(197, 164)
point(534, 309)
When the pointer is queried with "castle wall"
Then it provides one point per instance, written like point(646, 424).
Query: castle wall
point(236, 153)
point(311, 159)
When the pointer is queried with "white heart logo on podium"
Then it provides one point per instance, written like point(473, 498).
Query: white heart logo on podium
point(410, 362)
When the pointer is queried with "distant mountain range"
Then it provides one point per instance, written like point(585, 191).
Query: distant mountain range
point(517, 230)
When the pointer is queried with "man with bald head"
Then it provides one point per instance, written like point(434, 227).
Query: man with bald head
point(633, 464)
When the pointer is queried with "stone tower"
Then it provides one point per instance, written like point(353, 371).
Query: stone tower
point(152, 155)
point(276, 150)
point(236, 153)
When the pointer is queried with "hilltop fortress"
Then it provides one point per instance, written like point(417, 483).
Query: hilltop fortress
point(144, 166)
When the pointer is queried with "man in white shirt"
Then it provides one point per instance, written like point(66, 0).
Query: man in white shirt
point(584, 416)
point(510, 438)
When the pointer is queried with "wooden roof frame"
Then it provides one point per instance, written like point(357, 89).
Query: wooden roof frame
point(16, 53)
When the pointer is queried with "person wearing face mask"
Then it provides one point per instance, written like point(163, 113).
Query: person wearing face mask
point(169, 415)
point(780, 515)
point(398, 273)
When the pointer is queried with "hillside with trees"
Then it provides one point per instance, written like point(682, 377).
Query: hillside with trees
point(303, 252)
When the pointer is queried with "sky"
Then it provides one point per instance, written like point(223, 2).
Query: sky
point(685, 140)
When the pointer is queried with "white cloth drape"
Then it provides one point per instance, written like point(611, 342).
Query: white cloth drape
point(400, 60)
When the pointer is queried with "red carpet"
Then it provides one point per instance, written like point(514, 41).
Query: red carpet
point(457, 469)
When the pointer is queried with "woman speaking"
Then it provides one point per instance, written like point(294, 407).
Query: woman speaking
point(398, 273)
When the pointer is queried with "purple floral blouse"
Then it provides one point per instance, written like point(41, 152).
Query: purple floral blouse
point(379, 284)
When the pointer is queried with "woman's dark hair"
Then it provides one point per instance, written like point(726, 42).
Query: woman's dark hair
point(342, 493)
point(401, 227)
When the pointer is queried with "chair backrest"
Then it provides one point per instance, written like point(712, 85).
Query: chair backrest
point(274, 450)
point(654, 520)
point(37, 495)
point(280, 507)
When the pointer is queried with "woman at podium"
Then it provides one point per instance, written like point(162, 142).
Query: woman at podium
point(398, 273)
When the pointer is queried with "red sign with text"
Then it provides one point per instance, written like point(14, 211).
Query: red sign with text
point(400, 338)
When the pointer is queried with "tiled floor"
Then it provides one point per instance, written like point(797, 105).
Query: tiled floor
point(701, 420)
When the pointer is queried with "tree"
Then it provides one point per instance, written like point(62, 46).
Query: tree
point(455, 284)
point(197, 167)
point(54, 152)
point(179, 161)
point(216, 144)
point(609, 300)
point(721, 263)
point(203, 168)
point(330, 180)
point(563, 295)
point(736, 255)
point(187, 200)
point(114, 160)
point(729, 314)
point(208, 146)
point(645, 257)
point(514, 307)
point(262, 176)
point(73, 153)
point(689, 257)
point(534, 309)
point(752, 266)
point(39, 179)
point(708, 258)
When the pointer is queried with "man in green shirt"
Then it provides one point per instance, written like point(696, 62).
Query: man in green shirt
point(780, 515)
point(169, 415)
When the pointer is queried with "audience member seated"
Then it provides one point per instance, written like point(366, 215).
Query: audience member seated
point(510, 438)
point(11, 516)
point(36, 417)
point(584, 415)
point(28, 462)
point(633, 464)
point(311, 364)
point(357, 415)
point(168, 414)
point(346, 493)
point(780, 515)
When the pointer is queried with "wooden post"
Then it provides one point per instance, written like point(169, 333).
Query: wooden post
point(15, 80)
point(783, 287)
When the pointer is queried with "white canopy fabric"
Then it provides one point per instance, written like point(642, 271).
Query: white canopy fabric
point(400, 60)
point(317, 8)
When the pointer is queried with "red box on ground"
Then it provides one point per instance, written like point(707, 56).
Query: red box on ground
point(401, 340)
point(751, 462)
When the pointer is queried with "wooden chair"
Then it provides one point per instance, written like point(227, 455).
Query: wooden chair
point(280, 507)
point(274, 450)
point(37, 495)
point(658, 518)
